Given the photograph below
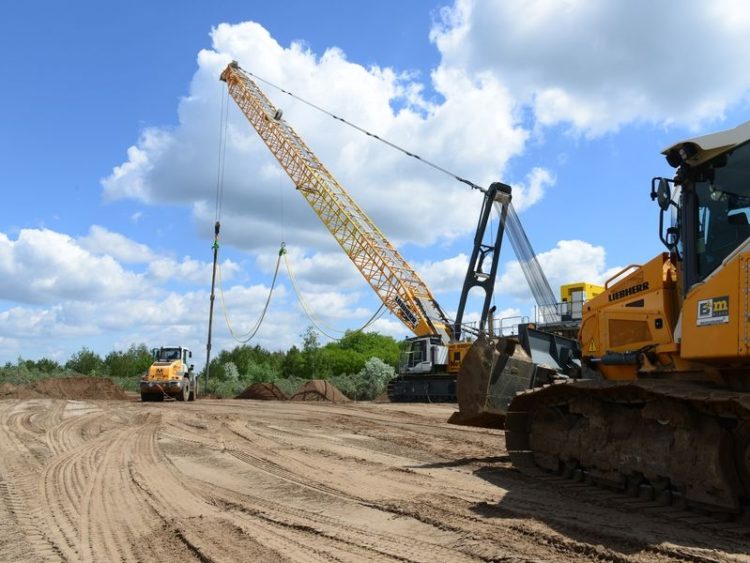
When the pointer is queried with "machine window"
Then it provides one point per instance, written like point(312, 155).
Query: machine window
point(723, 210)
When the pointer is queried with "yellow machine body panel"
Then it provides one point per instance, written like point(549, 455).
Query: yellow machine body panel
point(714, 319)
point(456, 353)
point(637, 311)
point(165, 371)
point(580, 291)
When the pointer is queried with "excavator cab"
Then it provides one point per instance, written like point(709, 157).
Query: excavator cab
point(687, 305)
point(711, 200)
point(428, 356)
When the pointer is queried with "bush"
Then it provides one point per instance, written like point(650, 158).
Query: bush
point(290, 385)
point(44, 365)
point(246, 359)
point(225, 389)
point(373, 379)
point(86, 362)
point(29, 371)
point(129, 383)
point(231, 373)
point(347, 384)
point(131, 363)
point(259, 373)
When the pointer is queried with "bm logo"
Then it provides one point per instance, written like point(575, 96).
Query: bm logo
point(713, 311)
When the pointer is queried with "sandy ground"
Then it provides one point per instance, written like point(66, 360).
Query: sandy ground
point(295, 481)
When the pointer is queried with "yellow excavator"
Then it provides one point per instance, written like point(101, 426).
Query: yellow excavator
point(660, 406)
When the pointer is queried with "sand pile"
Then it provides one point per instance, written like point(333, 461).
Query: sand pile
point(319, 390)
point(263, 392)
point(76, 388)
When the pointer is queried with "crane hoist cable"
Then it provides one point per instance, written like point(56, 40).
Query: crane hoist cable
point(527, 258)
point(223, 120)
point(223, 124)
point(246, 337)
point(249, 335)
point(316, 322)
point(370, 134)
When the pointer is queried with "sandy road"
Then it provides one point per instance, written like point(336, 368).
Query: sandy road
point(288, 481)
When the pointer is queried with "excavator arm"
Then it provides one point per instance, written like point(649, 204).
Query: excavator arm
point(396, 283)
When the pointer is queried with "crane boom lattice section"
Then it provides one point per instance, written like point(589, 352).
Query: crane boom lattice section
point(397, 284)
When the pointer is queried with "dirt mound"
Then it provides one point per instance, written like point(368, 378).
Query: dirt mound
point(79, 388)
point(319, 390)
point(7, 389)
point(263, 392)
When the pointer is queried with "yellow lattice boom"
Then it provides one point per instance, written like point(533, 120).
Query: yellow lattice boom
point(393, 279)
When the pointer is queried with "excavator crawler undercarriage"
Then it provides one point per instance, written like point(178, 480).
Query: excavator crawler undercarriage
point(681, 443)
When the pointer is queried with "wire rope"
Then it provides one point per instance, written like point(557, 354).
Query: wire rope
point(221, 165)
point(370, 134)
point(223, 125)
point(249, 335)
point(534, 275)
point(316, 322)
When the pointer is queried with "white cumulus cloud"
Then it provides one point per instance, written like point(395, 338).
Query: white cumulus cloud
point(569, 262)
point(473, 131)
point(102, 241)
point(44, 266)
point(599, 65)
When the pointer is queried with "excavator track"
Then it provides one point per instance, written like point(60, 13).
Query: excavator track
point(676, 443)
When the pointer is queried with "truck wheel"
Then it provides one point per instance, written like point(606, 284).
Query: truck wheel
point(145, 397)
point(193, 391)
point(183, 396)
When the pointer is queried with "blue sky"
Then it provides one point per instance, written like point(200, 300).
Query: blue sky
point(109, 146)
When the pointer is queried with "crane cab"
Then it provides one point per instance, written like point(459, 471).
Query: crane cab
point(423, 354)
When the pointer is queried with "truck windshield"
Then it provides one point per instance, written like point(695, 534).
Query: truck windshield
point(723, 207)
point(168, 354)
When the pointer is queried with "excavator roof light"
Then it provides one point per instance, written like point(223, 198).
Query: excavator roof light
point(698, 150)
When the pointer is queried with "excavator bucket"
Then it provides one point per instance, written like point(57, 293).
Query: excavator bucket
point(492, 373)
point(496, 369)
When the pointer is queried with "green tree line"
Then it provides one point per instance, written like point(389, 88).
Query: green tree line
point(360, 364)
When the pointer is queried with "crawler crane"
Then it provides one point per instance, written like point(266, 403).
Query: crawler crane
point(432, 358)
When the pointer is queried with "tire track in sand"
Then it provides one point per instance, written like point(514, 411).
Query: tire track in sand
point(20, 504)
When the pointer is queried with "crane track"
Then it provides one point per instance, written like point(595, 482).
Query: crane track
point(678, 444)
